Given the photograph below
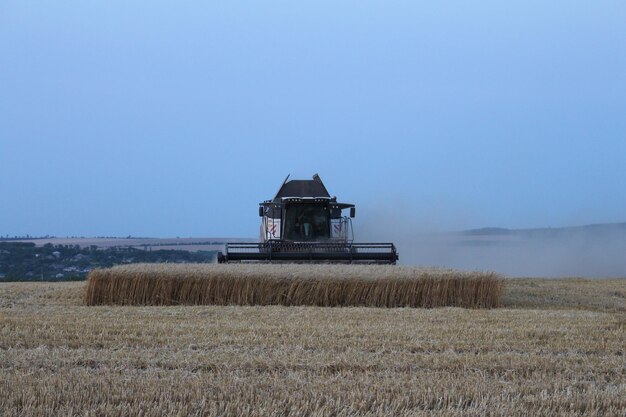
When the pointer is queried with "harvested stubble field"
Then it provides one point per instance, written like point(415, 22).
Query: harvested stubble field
point(316, 285)
point(556, 347)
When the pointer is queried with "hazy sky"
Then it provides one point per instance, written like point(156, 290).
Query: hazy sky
point(177, 118)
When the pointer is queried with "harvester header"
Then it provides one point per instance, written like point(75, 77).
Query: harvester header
point(303, 223)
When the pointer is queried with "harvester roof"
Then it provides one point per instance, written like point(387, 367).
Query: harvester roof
point(313, 188)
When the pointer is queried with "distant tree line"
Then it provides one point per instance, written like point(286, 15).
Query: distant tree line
point(24, 261)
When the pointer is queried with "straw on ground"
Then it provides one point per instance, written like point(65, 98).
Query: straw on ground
point(60, 357)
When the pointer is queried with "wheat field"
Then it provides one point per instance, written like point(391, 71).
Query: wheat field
point(561, 354)
point(316, 285)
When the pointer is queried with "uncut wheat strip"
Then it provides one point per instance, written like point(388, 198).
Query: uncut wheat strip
point(101, 287)
point(90, 291)
point(301, 292)
point(288, 286)
point(160, 291)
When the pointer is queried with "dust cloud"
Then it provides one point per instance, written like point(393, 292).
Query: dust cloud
point(595, 251)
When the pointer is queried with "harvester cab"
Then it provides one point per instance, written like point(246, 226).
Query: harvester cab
point(303, 223)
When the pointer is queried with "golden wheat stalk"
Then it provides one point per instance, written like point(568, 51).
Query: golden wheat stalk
point(316, 285)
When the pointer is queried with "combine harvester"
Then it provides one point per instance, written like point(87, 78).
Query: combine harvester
point(304, 224)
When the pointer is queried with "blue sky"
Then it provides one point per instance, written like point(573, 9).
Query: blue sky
point(177, 118)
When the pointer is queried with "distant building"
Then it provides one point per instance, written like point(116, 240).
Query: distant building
point(59, 276)
point(56, 254)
